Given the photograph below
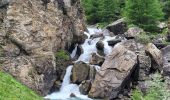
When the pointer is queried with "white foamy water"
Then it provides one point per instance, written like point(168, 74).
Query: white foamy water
point(73, 54)
point(89, 47)
point(67, 89)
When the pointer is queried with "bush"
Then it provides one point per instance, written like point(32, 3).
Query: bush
point(62, 54)
point(143, 38)
point(157, 91)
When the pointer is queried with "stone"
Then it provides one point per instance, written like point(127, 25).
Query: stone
point(72, 95)
point(80, 72)
point(144, 63)
point(34, 31)
point(117, 27)
point(155, 54)
point(114, 73)
point(85, 87)
point(166, 61)
point(133, 32)
point(96, 59)
point(100, 45)
point(114, 42)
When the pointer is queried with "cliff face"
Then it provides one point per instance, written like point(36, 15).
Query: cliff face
point(31, 31)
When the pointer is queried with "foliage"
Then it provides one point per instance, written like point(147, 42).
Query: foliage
point(157, 91)
point(62, 55)
point(10, 89)
point(143, 13)
point(102, 11)
point(143, 38)
point(166, 8)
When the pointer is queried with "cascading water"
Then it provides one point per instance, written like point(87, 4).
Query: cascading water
point(88, 47)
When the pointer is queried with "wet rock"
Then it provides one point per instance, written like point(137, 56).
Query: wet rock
point(56, 86)
point(96, 59)
point(80, 72)
point(156, 56)
point(85, 87)
point(133, 32)
point(100, 45)
point(166, 60)
point(114, 42)
point(114, 73)
point(72, 95)
point(117, 27)
point(96, 35)
point(92, 73)
point(4, 2)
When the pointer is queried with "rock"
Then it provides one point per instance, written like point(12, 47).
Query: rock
point(96, 59)
point(80, 72)
point(114, 73)
point(92, 72)
point(4, 2)
point(166, 60)
point(133, 32)
point(85, 87)
point(72, 95)
point(100, 45)
point(160, 45)
point(117, 27)
point(144, 62)
point(114, 42)
point(33, 35)
point(96, 36)
point(156, 56)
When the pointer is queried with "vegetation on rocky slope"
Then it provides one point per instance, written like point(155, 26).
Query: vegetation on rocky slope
point(157, 91)
point(10, 89)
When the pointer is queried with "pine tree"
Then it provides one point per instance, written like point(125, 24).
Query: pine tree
point(143, 13)
point(166, 8)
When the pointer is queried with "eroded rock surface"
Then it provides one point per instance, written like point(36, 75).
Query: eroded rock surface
point(114, 73)
point(31, 32)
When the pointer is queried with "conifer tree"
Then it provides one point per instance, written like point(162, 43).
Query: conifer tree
point(143, 13)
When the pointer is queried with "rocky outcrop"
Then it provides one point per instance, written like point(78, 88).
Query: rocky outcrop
point(114, 73)
point(117, 27)
point(166, 61)
point(31, 32)
point(156, 56)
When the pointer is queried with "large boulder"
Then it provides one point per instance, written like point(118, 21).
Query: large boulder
point(80, 72)
point(32, 31)
point(114, 73)
point(117, 27)
point(156, 56)
point(166, 60)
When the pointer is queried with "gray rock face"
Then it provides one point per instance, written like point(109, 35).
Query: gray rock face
point(117, 27)
point(31, 32)
point(114, 73)
point(166, 61)
point(85, 87)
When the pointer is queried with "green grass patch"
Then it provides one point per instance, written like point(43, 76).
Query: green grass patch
point(62, 54)
point(10, 89)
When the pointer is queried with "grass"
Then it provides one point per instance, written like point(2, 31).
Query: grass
point(10, 89)
point(62, 55)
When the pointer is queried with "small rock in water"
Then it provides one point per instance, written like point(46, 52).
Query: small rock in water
point(72, 95)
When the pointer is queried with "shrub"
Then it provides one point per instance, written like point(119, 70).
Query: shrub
point(157, 91)
point(62, 54)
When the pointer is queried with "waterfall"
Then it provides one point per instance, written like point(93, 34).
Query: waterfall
point(89, 47)
point(73, 54)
